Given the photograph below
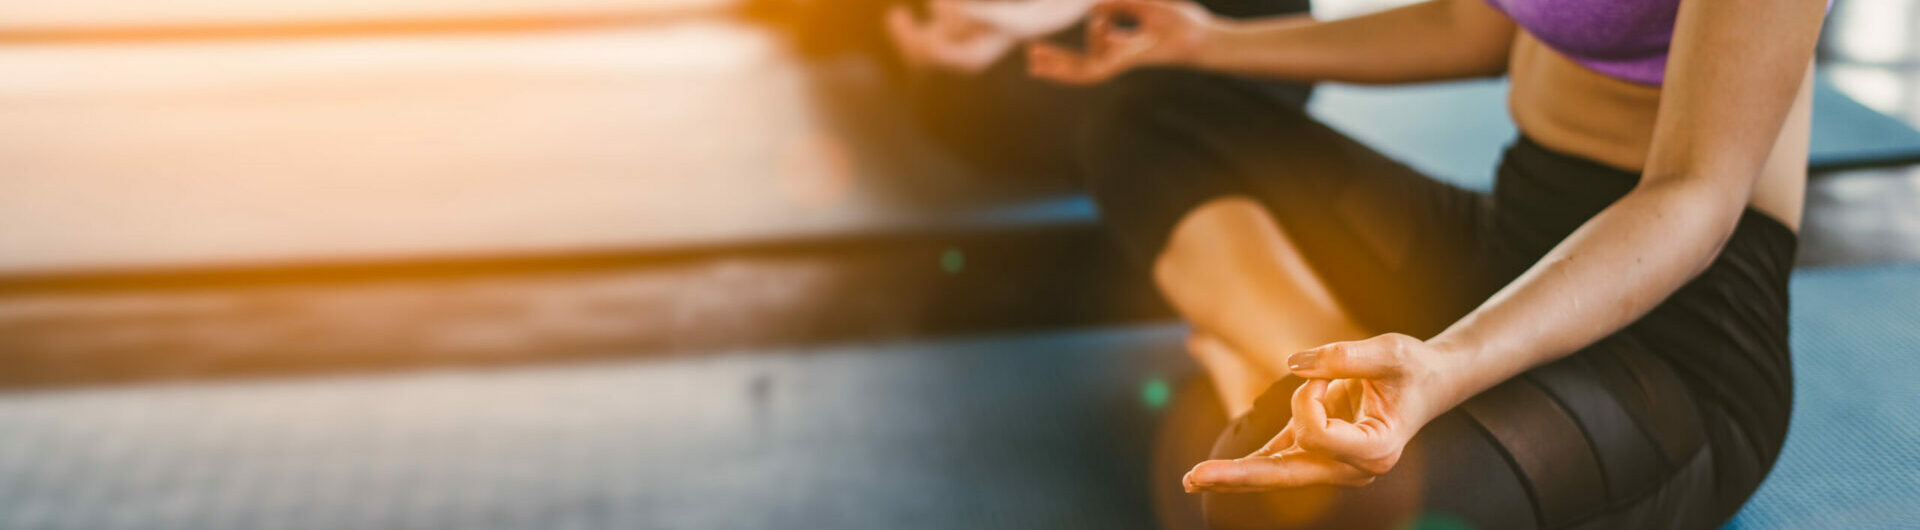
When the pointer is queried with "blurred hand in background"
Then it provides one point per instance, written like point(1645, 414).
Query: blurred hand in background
point(967, 36)
point(1123, 35)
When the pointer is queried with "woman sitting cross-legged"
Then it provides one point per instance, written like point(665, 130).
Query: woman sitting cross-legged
point(1600, 342)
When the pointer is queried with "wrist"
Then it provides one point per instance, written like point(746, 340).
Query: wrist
point(1213, 35)
point(1457, 367)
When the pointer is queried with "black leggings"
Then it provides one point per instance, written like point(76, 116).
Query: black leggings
point(1670, 423)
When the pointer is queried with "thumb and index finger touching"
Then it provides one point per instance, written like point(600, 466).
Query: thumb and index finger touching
point(1114, 43)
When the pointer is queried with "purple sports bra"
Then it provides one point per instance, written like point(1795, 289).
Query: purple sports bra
point(1622, 39)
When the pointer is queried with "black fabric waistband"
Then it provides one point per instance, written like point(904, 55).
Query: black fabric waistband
point(1564, 190)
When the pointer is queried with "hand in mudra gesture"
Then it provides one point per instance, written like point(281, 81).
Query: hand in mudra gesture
point(968, 36)
point(1362, 402)
point(1123, 35)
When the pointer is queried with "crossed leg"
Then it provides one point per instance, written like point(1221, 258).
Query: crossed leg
point(1191, 173)
point(1228, 199)
point(1251, 298)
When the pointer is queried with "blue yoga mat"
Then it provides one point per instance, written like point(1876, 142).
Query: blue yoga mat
point(1456, 131)
point(1852, 458)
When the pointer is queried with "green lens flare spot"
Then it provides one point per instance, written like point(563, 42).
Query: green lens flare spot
point(952, 260)
point(1155, 393)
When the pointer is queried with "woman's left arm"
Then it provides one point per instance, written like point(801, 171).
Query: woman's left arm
point(1734, 70)
point(1733, 73)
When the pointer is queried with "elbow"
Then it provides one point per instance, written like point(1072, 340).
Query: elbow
point(1703, 190)
point(1713, 204)
point(1697, 212)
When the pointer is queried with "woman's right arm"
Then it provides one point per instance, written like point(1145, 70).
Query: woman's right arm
point(1433, 40)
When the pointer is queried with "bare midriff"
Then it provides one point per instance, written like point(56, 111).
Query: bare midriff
point(1565, 107)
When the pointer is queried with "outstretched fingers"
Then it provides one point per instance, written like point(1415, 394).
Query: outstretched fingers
point(1289, 469)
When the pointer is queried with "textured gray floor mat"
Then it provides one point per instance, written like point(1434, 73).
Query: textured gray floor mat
point(1044, 431)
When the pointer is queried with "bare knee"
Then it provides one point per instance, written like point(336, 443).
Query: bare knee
point(1220, 225)
point(1238, 380)
point(1209, 249)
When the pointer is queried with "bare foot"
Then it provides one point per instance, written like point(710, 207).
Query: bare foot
point(1238, 379)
